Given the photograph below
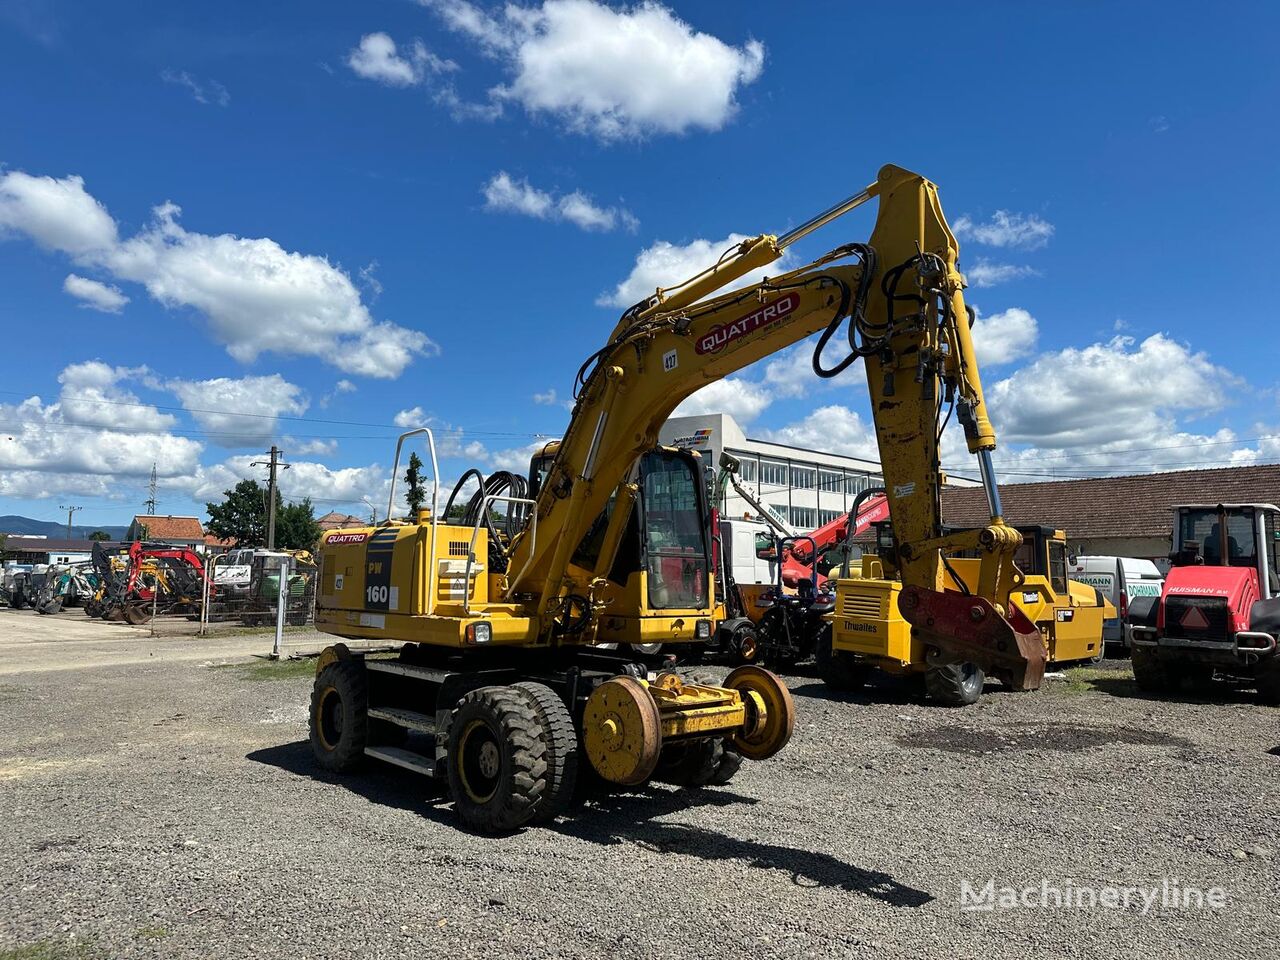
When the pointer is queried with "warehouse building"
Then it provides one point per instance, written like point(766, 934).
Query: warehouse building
point(805, 488)
point(20, 549)
point(1128, 516)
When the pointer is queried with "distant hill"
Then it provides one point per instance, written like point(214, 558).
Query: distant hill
point(26, 527)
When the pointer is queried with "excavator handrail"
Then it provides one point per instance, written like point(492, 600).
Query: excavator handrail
point(435, 502)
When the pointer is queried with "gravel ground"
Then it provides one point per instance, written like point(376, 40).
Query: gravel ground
point(171, 809)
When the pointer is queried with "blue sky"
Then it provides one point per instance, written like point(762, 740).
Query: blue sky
point(333, 215)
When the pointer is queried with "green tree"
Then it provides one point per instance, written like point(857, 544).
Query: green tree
point(100, 535)
point(416, 494)
point(2, 540)
point(296, 527)
point(242, 515)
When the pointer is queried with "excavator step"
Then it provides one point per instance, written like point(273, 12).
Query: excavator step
point(403, 758)
point(407, 670)
point(409, 719)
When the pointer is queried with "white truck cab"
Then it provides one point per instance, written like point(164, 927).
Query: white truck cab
point(1121, 580)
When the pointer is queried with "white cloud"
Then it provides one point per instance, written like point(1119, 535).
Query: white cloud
point(546, 399)
point(240, 413)
point(56, 214)
point(665, 264)
point(741, 399)
point(93, 439)
point(309, 448)
point(1108, 392)
point(834, 428)
point(94, 294)
point(610, 73)
point(411, 418)
point(984, 273)
point(256, 295)
point(208, 92)
point(1005, 336)
point(1005, 229)
point(303, 479)
point(504, 194)
point(377, 58)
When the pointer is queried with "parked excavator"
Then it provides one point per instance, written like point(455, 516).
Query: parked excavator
point(497, 669)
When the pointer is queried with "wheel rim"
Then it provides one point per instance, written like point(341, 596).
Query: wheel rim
point(971, 677)
point(780, 711)
point(747, 648)
point(480, 761)
point(330, 718)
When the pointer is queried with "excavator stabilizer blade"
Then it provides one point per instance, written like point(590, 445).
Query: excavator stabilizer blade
point(968, 628)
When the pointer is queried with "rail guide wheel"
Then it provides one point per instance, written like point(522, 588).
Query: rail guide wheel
point(771, 713)
point(622, 731)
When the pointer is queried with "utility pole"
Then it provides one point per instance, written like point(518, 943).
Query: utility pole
point(71, 512)
point(150, 502)
point(274, 464)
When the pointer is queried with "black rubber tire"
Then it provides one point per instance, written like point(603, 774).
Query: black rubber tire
point(561, 739)
point(954, 685)
point(503, 717)
point(1268, 682)
point(690, 764)
point(1149, 673)
point(729, 759)
point(747, 632)
point(339, 723)
point(1195, 679)
point(839, 670)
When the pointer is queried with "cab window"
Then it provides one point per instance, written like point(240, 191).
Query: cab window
point(1058, 567)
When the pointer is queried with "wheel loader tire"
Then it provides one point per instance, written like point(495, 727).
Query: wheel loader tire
point(1268, 681)
point(954, 685)
point(497, 760)
point(561, 738)
point(340, 716)
point(839, 670)
point(745, 645)
point(1149, 673)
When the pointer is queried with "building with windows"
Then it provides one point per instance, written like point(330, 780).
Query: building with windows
point(805, 488)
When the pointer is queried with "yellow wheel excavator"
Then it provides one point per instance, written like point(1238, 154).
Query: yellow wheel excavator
point(490, 657)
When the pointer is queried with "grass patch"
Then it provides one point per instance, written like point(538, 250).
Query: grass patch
point(151, 933)
point(1096, 679)
point(52, 950)
point(271, 670)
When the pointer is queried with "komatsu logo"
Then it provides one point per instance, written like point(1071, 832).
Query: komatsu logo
point(335, 538)
point(721, 335)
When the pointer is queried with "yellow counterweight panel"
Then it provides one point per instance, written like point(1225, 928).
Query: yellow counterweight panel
point(866, 621)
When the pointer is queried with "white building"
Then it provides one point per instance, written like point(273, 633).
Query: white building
point(806, 488)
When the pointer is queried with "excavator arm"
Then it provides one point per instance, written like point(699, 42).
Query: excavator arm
point(899, 299)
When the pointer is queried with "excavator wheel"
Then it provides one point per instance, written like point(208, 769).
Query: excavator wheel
point(562, 749)
point(770, 732)
point(691, 763)
point(839, 669)
point(497, 759)
point(339, 716)
point(955, 684)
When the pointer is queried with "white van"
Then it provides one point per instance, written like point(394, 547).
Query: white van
point(1120, 580)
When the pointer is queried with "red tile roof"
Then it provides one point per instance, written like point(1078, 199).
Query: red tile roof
point(336, 521)
point(170, 528)
point(1130, 506)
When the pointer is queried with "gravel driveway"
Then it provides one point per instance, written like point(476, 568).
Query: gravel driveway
point(171, 809)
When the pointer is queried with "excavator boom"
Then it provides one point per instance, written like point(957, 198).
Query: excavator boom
point(900, 299)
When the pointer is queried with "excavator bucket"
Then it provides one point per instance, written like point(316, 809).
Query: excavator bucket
point(961, 627)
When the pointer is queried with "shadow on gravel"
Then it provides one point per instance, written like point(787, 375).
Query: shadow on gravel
point(378, 783)
point(631, 818)
point(613, 818)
